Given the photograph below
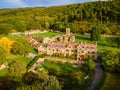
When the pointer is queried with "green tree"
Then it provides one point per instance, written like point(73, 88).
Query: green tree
point(16, 70)
point(5, 28)
point(51, 83)
point(2, 55)
point(21, 47)
point(95, 33)
point(76, 81)
point(111, 60)
point(20, 26)
point(89, 65)
point(30, 77)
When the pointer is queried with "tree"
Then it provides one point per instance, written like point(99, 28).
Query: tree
point(95, 33)
point(30, 77)
point(2, 55)
point(51, 83)
point(5, 28)
point(21, 47)
point(6, 43)
point(89, 65)
point(17, 69)
point(76, 81)
point(20, 25)
point(111, 60)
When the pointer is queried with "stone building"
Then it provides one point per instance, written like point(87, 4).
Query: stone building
point(33, 42)
point(79, 51)
point(68, 37)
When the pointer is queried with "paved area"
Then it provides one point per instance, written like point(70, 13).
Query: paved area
point(98, 76)
point(64, 60)
point(2, 66)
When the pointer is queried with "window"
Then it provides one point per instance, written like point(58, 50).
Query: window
point(82, 47)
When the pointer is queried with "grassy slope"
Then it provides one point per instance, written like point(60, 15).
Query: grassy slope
point(112, 82)
point(11, 58)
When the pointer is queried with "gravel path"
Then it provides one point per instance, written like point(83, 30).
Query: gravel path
point(97, 77)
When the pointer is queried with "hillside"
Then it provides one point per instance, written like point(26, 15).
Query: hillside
point(79, 17)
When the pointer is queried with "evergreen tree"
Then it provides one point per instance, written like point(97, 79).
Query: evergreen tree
point(95, 33)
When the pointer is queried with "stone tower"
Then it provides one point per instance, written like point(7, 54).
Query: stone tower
point(67, 31)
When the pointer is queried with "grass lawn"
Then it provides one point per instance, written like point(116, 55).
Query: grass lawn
point(16, 36)
point(46, 34)
point(64, 67)
point(105, 42)
point(11, 58)
point(112, 82)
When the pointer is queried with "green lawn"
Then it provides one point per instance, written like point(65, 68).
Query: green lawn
point(11, 58)
point(105, 42)
point(112, 82)
point(46, 34)
point(59, 66)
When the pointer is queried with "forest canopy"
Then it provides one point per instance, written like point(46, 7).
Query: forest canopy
point(79, 17)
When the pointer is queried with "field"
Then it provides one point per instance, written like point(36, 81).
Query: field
point(105, 42)
point(59, 66)
point(112, 82)
point(46, 34)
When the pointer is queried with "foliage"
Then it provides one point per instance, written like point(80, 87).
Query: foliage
point(51, 83)
point(16, 69)
point(111, 60)
point(118, 40)
point(21, 47)
point(95, 33)
point(111, 82)
point(30, 77)
point(2, 55)
point(89, 65)
point(79, 17)
point(66, 72)
point(6, 43)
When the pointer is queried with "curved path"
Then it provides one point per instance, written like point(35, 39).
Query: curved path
point(97, 77)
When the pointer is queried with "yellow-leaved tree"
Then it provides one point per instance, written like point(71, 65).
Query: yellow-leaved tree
point(6, 44)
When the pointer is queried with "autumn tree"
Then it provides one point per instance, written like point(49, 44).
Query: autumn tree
point(6, 43)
